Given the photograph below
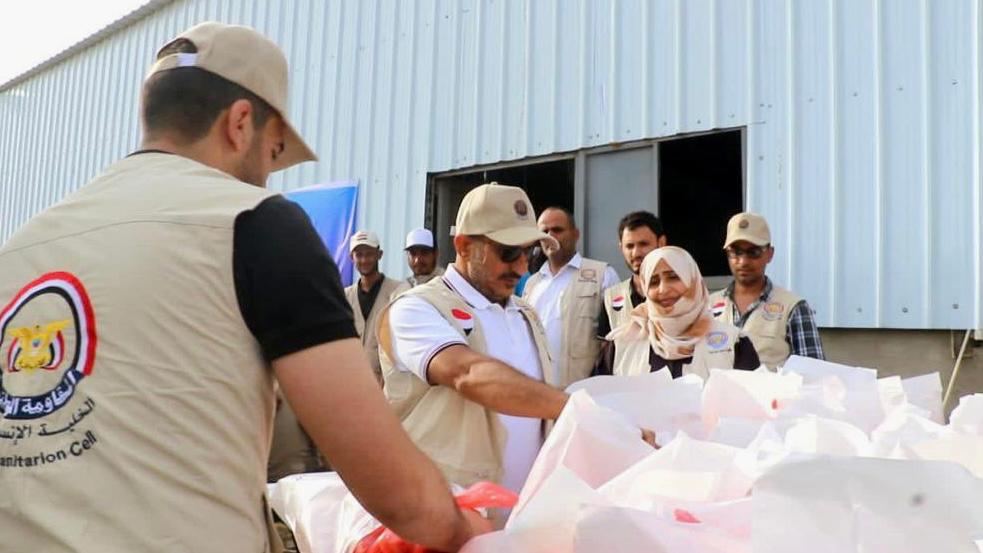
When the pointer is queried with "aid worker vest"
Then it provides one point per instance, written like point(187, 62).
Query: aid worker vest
point(767, 326)
point(580, 304)
point(464, 439)
point(137, 408)
point(370, 341)
point(617, 303)
point(715, 351)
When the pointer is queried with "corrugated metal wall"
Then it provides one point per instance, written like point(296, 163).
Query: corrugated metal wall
point(862, 116)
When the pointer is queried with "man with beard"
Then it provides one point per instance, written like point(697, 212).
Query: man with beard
point(464, 360)
point(370, 293)
point(639, 233)
point(421, 256)
point(176, 288)
point(778, 322)
point(568, 294)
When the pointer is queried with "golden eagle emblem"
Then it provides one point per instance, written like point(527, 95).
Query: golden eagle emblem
point(32, 347)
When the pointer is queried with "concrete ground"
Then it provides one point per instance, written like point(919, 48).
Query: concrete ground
point(908, 353)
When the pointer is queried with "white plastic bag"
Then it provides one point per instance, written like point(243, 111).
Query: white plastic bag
point(858, 505)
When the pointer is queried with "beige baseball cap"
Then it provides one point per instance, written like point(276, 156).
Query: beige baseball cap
point(501, 213)
point(750, 227)
point(363, 238)
point(248, 59)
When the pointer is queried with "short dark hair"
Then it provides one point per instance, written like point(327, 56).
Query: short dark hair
point(188, 100)
point(567, 212)
point(637, 219)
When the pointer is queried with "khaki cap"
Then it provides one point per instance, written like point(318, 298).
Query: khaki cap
point(248, 59)
point(501, 213)
point(750, 227)
point(363, 238)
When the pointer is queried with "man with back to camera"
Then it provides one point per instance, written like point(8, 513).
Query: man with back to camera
point(778, 322)
point(568, 294)
point(370, 293)
point(147, 315)
point(639, 232)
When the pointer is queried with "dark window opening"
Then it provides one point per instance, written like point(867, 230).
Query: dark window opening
point(547, 184)
point(700, 188)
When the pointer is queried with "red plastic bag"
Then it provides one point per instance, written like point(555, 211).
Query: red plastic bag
point(478, 496)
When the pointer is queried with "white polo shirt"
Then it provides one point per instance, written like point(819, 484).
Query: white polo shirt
point(419, 332)
point(547, 296)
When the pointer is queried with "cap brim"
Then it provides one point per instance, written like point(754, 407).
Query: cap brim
point(520, 236)
point(737, 238)
point(295, 150)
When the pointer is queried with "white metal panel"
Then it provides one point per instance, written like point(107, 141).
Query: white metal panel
point(856, 212)
point(811, 169)
point(862, 117)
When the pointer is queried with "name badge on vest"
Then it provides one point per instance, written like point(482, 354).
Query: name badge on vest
point(465, 319)
point(717, 341)
point(718, 309)
point(588, 275)
point(772, 311)
point(617, 303)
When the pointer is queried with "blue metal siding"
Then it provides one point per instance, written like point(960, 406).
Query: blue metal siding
point(862, 118)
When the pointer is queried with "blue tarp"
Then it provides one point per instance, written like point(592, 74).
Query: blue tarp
point(332, 209)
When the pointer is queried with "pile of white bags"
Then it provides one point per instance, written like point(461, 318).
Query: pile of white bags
point(817, 458)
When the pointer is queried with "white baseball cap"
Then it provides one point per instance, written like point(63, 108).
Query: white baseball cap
point(419, 237)
point(363, 238)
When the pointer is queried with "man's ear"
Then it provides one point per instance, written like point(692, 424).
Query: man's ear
point(770, 254)
point(663, 240)
point(238, 127)
point(461, 246)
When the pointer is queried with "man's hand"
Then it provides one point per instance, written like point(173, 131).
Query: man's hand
point(649, 437)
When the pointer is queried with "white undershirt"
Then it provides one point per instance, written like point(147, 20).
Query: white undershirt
point(419, 332)
point(547, 296)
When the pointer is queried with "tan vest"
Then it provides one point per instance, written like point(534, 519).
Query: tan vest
point(137, 406)
point(580, 303)
point(767, 325)
point(464, 439)
point(619, 312)
point(715, 351)
point(370, 342)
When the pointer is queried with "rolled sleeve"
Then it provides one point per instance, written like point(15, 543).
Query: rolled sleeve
point(419, 333)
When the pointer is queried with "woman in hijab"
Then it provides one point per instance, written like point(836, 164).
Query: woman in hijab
point(674, 328)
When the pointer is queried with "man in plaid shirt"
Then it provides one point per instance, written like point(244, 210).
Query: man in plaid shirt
point(778, 322)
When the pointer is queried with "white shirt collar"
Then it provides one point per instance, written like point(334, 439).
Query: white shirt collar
point(575, 262)
point(474, 298)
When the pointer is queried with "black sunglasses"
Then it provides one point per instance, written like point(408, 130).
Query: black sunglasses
point(510, 254)
point(754, 252)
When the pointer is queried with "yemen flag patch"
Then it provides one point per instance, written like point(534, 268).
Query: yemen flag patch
point(718, 308)
point(617, 303)
point(465, 319)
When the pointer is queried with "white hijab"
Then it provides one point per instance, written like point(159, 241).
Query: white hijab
point(674, 332)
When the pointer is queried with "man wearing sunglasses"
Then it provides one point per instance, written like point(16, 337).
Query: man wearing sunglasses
point(465, 362)
point(778, 322)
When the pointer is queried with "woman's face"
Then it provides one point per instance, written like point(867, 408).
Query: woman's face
point(666, 287)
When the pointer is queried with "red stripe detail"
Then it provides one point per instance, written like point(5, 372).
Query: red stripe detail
point(90, 319)
point(10, 355)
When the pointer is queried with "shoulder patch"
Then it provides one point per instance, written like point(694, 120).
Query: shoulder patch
point(617, 302)
point(717, 309)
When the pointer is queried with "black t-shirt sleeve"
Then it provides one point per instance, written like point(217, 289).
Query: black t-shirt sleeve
point(287, 285)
